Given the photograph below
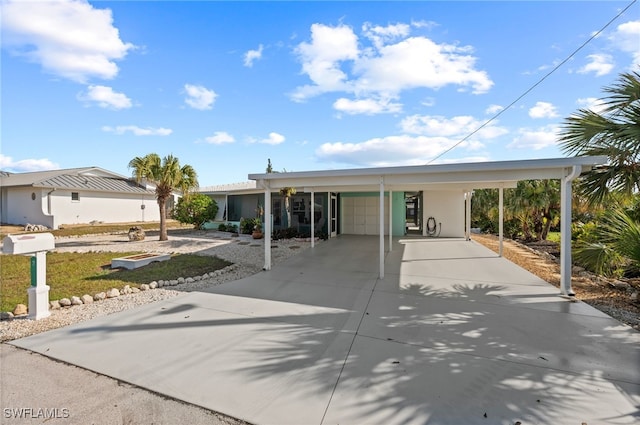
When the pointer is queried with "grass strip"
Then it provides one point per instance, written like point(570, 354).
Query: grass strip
point(72, 273)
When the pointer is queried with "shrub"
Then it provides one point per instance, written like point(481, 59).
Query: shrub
point(197, 209)
point(222, 227)
point(247, 225)
point(288, 233)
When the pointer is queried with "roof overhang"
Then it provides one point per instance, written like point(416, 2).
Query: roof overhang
point(463, 176)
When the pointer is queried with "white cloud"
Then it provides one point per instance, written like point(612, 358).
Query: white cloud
point(220, 138)
point(199, 97)
point(380, 36)
point(26, 165)
point(273, 139)
point(138, 131)
point(366, 106)
point(493, 109)
point(385, 151)
point(543, 110)
point(625, 38)
point(535, 139)
point(594, 104)
point(419, 62)
point(428, 101)
point(456, 127)
point(600, 64)
point(425, 137)
point(105, 97)
point(68, 38)
point(252, 55)
point(320, 59)
point(336, 60)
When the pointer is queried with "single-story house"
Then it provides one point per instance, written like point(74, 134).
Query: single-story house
point(244, 200)
point(72, 196)
point(430, 200)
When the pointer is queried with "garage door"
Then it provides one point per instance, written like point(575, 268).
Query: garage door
point(361, 215)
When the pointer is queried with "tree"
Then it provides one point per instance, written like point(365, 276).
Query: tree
point(168, 176)
point(196, 209)
point(286, 192)
point(614, 132)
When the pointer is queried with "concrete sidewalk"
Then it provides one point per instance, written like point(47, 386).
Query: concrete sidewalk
point(452, 335)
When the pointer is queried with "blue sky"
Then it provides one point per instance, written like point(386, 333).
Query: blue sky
point(312, 85)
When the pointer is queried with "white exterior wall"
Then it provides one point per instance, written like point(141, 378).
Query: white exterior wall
point(55, 208)
point(18, 207)
point(447, 207)
point(102, 206)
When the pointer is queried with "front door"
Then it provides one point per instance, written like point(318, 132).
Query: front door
point(333, 231)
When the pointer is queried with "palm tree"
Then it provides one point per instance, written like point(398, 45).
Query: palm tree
point(615, 132)
point(286, 192)
point(535, 204)
point(168, 176)
point(615, 245)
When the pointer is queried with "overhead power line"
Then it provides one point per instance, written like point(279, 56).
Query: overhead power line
point(493, 118)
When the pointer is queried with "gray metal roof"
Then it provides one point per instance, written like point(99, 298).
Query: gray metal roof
point(98, 184)
point(90, 178)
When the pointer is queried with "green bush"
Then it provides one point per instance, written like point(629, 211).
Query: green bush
point(196, 209)
point(247, 225)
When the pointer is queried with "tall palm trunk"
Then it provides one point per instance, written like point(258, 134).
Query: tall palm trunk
point(162, 202)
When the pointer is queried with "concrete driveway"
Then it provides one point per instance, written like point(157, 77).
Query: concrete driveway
point(452, 335)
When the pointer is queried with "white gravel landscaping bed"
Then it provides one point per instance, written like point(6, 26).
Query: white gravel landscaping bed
point(246, 254)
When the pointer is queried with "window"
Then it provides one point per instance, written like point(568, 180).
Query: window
point(75, 196)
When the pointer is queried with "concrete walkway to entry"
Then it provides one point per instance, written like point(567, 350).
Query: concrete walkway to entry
point(452, 335)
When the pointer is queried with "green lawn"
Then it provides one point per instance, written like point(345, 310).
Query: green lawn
point(70, 273)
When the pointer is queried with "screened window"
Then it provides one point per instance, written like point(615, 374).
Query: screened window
point(75, 196)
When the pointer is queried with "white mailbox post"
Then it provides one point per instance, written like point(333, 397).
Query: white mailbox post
point(35, 245)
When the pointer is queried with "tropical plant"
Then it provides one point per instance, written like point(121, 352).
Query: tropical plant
point(196, 209)
point(248, 225)
point(168, 176)
point(535, 204)
point(286, 193)
point(614, 132)
point(613, 245)
point(484, 210)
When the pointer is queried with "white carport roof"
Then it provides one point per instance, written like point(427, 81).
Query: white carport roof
point(467, 176)
point(464, 176)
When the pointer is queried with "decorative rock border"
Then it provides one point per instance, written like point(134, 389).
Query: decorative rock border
point(21, 310)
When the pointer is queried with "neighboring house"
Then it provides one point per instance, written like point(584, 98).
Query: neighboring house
point(73, 196)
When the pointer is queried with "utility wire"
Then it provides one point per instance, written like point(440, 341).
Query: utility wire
point(493, 118)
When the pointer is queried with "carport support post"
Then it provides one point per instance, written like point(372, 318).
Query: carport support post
point(500, 219)
point(468, 229)
point(313, 219)
point(390, 220)
point(381, 227)
point(267, 227)
point(565, 231)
